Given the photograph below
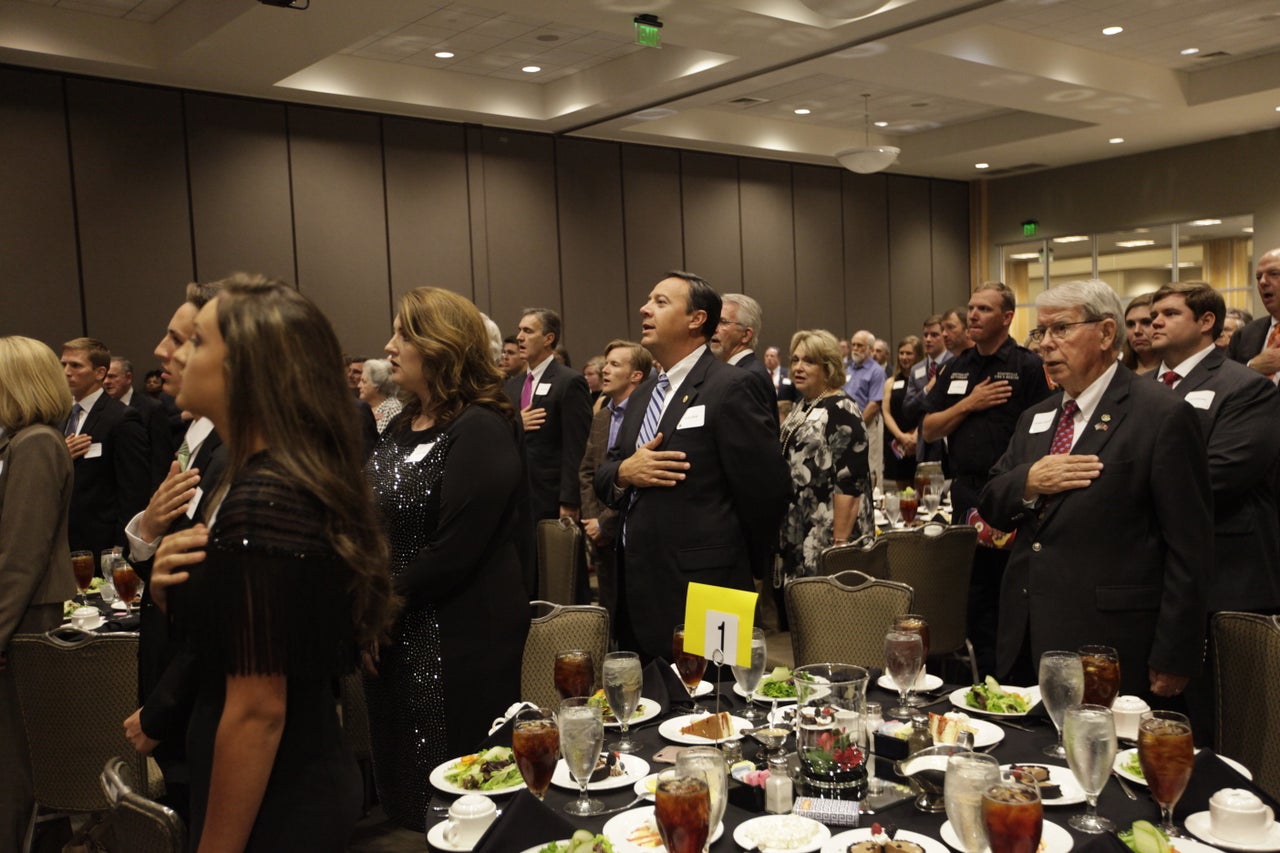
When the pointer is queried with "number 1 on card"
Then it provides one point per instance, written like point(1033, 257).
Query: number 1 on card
point(718, 619)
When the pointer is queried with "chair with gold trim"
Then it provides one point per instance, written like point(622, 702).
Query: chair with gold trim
point(870, 558)
point(843, 618)
point(138, 824)
point(561, 560)
point(1246, 657)
point(560, 628)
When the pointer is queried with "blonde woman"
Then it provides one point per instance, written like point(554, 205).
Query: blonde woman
point(35, 563)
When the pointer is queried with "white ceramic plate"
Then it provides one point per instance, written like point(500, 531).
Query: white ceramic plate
point(923, 683)
point(986, 734)
point(648, 710)
point(444, 786)
point(435, 835)
point(1123, 756)
point(704, 687)
point(646, 787)
point(622, 826)
point(92, 626)
point(535, 848)
point(633, 768)
point(1072, 793)
point(760, 697)
point(840, 843)
point(1198, 824)
point(1031, 694)
point(670, 729)
point(1054, 838)
point(816, 833)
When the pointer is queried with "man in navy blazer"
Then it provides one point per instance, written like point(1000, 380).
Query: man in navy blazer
point(119, 384)
point(1239, 412)
point(1249, 345)
point(695, 470)
point(1107, 485)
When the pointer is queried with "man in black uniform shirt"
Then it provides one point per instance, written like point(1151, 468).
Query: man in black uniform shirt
point(975, 404)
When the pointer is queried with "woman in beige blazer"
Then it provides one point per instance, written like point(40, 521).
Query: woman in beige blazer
point(35, 563)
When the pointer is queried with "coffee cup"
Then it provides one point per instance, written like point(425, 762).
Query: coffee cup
point(1127, 711)
point(1239, 816)
point(85, 618)
point(469, 816)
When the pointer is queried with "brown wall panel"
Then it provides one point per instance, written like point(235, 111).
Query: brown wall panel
point(239, 155)
point(127, 148)
point(39, 275)
point(910, 256)
point(866, 253)
point(654, 229)
point(712, 213)
point(340, 222)
point(820, 293)
point(768, 243)
point(520, 224)
point(592, 251)
point(428, 229)
point(949, 225)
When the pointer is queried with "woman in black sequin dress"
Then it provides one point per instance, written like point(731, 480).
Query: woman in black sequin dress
point(275, 600)
point(448, 477)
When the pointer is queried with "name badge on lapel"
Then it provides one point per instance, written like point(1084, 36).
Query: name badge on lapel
point(1041, 422)
point(94, 451)
point(420, 452)
point(694, 416)
point(899, 384)
point(1202, 399)
point(542, 389)
point(195, 503)
point(958, 386)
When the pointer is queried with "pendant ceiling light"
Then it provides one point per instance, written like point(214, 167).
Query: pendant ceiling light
point(868, 159)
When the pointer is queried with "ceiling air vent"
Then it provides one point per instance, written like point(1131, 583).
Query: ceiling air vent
point(1014, 170)
point(747, 101)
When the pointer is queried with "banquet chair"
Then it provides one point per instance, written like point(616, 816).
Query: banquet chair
point(354, 713)
point(936, 562)
point(561, 558)
point(75, 689)
point(870, 558)
point(843, 618)
point(138, 824)
point(1246, 655)
point(562, 627)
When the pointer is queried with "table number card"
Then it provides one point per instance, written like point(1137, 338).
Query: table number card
point(719, 619)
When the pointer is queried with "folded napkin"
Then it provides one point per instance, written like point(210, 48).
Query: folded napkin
point(661, 683)
point(1210, 775)
point(525, 822)
point(121, 623)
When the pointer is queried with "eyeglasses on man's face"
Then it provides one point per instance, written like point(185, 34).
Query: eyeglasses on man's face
point(1056, 332)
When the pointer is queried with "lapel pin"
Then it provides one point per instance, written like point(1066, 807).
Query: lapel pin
point(684, 399)
point(1102, 427)
point(1106, 418)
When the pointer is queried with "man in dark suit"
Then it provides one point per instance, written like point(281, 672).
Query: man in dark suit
point(921, 381)
point(733, 342)
point(109, 446)
point(696, 468)
point(1257, 344)
point(1107, 485)
point(780, 379)
point(555, 404)
point(119, 384)
point(626, 365)
point(1239, 413)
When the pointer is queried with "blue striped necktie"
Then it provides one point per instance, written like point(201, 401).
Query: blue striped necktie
point(649, 428)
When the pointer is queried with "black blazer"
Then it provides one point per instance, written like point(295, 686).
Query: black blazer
point(763, 386)
point(1122, 561)
point(1249, 339)
point(109, 488)
point(1239, 412)
point(699, 529)
point(159, 434)
point(553, 452)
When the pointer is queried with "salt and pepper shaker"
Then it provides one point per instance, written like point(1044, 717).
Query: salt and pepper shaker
point(777, 792)
point(920, 737)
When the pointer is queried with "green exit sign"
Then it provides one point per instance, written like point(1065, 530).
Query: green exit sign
point(648, 31)
point(1030, 227)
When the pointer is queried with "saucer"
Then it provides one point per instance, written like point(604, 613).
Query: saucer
point(435, 836)
point(1198, 825)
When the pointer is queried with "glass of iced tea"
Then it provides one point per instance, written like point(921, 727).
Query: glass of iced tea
point(1101, 675)
point(1167, 755)
point(690, 667)
point(535, 743)
point(128, 584)
point(914, 623)
point(1013, 816)
point(682, 810)
point(82, 566)
point(575, 673)
point(908, 503)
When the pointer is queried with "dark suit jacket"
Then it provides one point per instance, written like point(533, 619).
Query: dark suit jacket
point(554, 451)
point(1240, 415)
point(764, 382)
point(1121, 562)
point(699, 529)
point(159, 433)
point(913, 408)
point(110, 488)
point(1249, 339)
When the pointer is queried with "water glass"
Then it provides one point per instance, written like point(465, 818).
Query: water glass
point(893, 508)
point(1090, 736)
point(903, 657)
point(748, 677)
point(623, 680)
point(969, 775)
point(1061, 686)
point(581, 739)
point(1167, 755)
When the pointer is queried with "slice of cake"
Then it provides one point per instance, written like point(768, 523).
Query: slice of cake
point(712, 727)
point(880, 842)
point(946, 728)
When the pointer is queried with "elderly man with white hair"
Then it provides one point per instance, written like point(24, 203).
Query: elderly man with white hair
point(1107, 485)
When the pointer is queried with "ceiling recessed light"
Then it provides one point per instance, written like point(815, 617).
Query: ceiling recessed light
point(1190, 51)
point(801, 111)
point(1133, 244)
point(444, 54)
point(982, 165)
point(1074, 238)
point(886, 124)
point(1112, 31)
point(1116, 140)
point(531, 69)
point(1248, 229)
point(1203, 222)
point(1278, 109)
point(1025, 256)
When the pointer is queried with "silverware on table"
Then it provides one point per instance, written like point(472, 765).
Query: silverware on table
point(1010, 724)
point(630, 805)
point(1124, 786)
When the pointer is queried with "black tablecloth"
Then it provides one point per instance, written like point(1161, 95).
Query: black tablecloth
point(526, 822)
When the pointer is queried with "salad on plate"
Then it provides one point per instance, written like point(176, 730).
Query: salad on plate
point(490, 770)
point(990, 696)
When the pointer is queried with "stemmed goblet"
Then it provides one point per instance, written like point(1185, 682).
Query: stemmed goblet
point(969, 774)
point(1061, 686)
point(748, 677)
point(682, 810)
point(581, 738)
point(914, 623)
point(575, 672)
point(708, 760)
point(535, 743)
point(128, 584)
point(1101, 675)
point(623, 681)
point(903, 656)
point(690, 667)
point(1013, 816)
point(1167, 755)
point(1090, 736)
point(892, 508)
point(82, 568)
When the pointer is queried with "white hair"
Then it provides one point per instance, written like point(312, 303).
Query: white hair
point(495, 337)
point(1095, 298)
